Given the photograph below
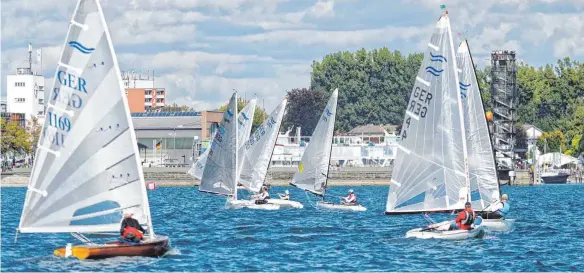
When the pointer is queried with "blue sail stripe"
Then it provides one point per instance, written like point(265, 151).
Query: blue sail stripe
point(80, 47)
point(433, 73)
point(437, 58)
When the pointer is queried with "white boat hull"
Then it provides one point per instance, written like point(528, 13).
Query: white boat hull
point(499, 225)
point(286, 203)
point(333, 206)
point(476, 232)
point(250, 204)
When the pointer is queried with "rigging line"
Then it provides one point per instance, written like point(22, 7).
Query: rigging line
point(412, 188)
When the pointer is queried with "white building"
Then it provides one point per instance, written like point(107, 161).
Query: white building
point(25, 93)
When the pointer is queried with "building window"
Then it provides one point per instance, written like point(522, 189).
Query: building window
point(19, 84)
point(41, 101)
point(19, 100)
point(148, 92)
point(147, 100)
point(159, 100)
point(160, 92)
point(40, 112)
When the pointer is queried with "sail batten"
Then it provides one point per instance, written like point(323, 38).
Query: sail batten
point(87, 147)
point(314, 166)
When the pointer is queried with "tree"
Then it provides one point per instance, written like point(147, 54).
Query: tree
point(374, 86)
point(33, 129)
point(552, 141)
point(15, 139)
point(520, 137)
point(258, 117)
point(173, 108)
point(304, 109)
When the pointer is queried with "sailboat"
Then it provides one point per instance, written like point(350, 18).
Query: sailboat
point(431, 172)
point(245, 122)
point(221, 172)
point(484, 182)
point(313, 169)
point(87, 170)
point(257, 154)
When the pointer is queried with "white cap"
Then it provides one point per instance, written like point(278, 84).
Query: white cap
point(504, 197)
point(351, 191)
point(287, 192)
point(128, 213)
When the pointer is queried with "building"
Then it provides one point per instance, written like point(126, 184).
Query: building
point(374, 133)
point(142, 96)
point(25, 93)
point(168, 138)
point(3, 106)
point(145, 99)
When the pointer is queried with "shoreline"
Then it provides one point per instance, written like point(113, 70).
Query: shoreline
point(23, 182)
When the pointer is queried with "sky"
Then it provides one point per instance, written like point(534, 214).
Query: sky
point(201, 50)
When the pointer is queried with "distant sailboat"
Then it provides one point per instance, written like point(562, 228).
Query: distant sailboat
point(87, 171)
point(431, 172)
point(313, 169)
point(221, 172)
point(245, 122)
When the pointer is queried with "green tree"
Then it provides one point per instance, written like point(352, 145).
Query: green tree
point(304, 109)
point(15, 139)
point(258, 117)
point(33, 129)
point(174, 108)
point(552, 141)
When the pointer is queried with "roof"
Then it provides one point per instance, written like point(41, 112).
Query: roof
point(167, 123)
point(166, 114)
point(529, 126)
point(368, 129)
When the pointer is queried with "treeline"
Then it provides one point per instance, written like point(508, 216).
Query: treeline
point(374, 87)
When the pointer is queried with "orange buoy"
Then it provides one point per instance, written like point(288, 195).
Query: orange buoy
point(489, 116)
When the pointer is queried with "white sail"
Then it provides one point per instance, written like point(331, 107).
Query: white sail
point(430, 172)
point(245, 122)
point(313, 168)
point(257, 150)
point(220, 174)
point(87, 169)
point(484, 183)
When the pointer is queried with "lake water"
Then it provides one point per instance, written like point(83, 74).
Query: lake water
point(549, 236)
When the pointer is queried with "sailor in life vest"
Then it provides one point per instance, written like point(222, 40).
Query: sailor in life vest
point(131, 230)
point(465, 218)
point(285, 196)
point(351, 199)
point(263, 196)
point(501, 209)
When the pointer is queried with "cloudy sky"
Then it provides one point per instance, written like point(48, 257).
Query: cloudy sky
point(201, 50)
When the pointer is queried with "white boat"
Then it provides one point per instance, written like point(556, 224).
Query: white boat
point(87, 171)
point(245, 122)
point(223, 166)
point(313, 169)
point(285, 203)
point(499, 225)
point(431, 171)
point(425, 233)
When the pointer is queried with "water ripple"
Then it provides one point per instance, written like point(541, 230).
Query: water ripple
point(207, 237)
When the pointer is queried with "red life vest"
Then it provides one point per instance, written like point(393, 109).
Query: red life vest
point(129, 230)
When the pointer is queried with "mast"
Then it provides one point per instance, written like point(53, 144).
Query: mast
point(486, 121)
point(329, 164)
point(460, 111)
point(236, 148)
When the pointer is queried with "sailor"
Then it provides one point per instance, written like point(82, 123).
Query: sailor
point(263, 196)
point(131, 230)
point(465, 218)
point(502, 207)
point(351, 199)
point(285, 196)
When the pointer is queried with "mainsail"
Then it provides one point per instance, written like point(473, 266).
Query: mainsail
point(313, 168)
point(257, 151)
point(245, 122)
point(484, 183)
point(87, 169)
point(430, 171)
point(220, 174)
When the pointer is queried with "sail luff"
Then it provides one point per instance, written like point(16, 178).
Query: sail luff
point(236, 165)
point(460, 111)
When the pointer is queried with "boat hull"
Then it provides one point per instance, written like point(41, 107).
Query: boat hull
point(499, 225)
point(555, 179)
point(477, 232)
point(155, 247)
point(333, 206)
point(286, 203)
point(250, 204)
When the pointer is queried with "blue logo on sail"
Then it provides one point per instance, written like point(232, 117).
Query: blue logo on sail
point(229, 113)
point(463, 86)
point(80, 47)
point(434, 71)
point(244, 116)
point(462, 95)
point(437, 58)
